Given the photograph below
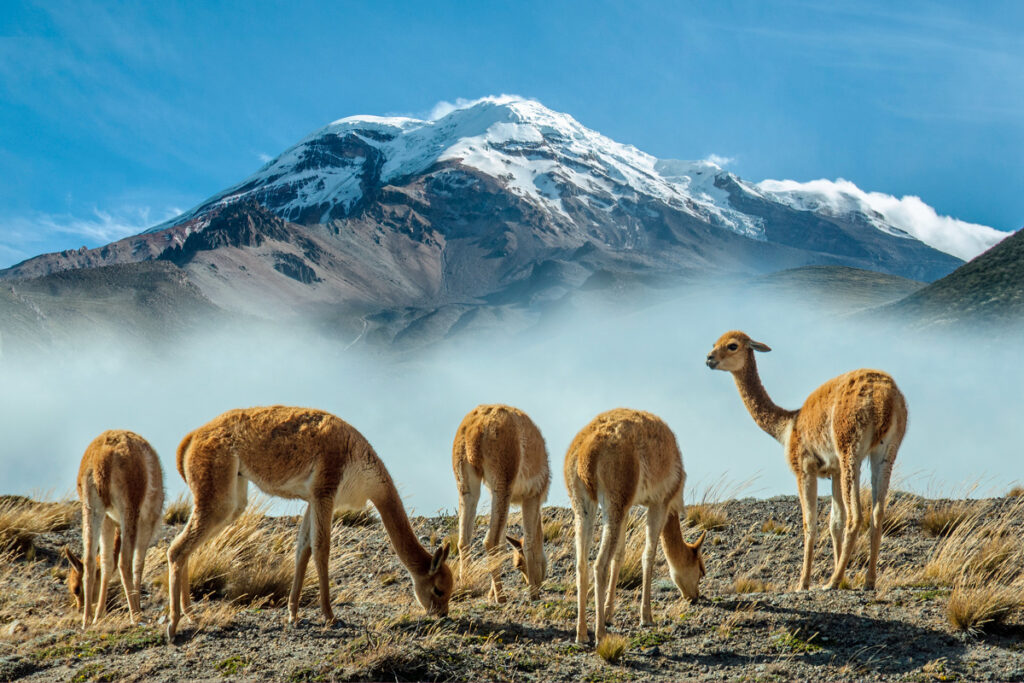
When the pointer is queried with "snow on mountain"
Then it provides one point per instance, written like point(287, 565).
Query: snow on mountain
point(907, 215)
point(537, 152)
point(543, 156)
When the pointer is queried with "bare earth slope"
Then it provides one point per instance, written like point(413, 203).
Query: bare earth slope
point(900, 632)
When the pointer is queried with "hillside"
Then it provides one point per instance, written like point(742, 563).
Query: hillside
point(748, 625)
point(988, 290)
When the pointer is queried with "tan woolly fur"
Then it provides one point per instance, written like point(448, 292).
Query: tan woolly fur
point(294, 453)
point(501, 447)
point(121, 487)
point(620, 459)
point(856, 416)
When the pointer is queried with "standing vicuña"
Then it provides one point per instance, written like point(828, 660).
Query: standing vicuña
point(296, 453)
point(120, 483)
point(621, 459)
point(500, 446)
point(855, 416)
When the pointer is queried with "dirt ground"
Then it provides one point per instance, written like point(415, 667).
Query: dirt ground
point(749, 625)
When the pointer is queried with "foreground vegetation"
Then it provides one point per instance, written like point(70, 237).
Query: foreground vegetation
point(948, 604)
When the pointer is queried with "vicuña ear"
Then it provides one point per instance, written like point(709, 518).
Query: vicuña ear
point(514, 542)
point(440, 555)
point(700, 541)
point(72, 558)
point(758, 346)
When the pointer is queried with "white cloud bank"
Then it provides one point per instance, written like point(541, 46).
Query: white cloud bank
point(909, 214)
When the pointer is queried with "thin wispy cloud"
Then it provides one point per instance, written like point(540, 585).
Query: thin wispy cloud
point(24, 236)
point(719, 160)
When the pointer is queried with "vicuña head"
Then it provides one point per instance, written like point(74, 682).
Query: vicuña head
point(76, 569)
point(856, 416)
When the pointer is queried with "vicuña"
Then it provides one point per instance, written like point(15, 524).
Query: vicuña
point(855, 416)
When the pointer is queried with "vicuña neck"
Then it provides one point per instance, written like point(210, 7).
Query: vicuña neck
point(676, 551)
point(768, 416)
point(403, 539)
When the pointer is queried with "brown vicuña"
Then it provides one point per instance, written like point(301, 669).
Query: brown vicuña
point(296, 453)
point(501, 447)
point(859, 415)
point(621, 459)
point(120, 483)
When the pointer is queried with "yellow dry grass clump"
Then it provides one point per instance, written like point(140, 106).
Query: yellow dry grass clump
point(247, 562)
point(981, 558)
point(178, 510)
point(612, 648)
point(21, 519)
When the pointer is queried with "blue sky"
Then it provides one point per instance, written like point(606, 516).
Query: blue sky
point(113, 116)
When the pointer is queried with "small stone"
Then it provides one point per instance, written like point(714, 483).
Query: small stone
point(16, 626)
point(162, 619)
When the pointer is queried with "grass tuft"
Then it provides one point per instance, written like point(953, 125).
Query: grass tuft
point(22, 519)
point(750, 584)
point(612, 648)
point(941, 519)
point(362, 517)
point(974, 609)
point(772, 527)
point(178, 510)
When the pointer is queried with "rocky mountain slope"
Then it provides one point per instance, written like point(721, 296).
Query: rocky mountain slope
point(492, 213)
point(988, 290)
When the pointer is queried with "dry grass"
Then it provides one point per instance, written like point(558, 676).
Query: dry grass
point(707, 516)
point(245, 563)
point(178, 510)
point(631, 571)
point(477, 580)
point(772, 527)
point(612, 648)
point(979, 607)
point(942, 519)
point(1015, 492)
point(364, 517)
point(750, 584)
point(21, 519)
point(554, 530)
point(901, 510)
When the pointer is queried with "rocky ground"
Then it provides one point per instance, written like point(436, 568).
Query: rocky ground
point(750, 623)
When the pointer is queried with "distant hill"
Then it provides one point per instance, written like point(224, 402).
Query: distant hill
point(988, 290)
point(837, 287)
point(133, 302)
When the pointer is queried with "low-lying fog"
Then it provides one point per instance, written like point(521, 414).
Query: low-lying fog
point(964, 397)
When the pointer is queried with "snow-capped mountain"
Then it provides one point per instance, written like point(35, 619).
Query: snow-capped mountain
point(502, 202)
point(541, 156)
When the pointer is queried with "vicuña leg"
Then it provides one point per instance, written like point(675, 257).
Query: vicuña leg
point(656, 516)
point(302, 553)
point(613, 583)
point(320, 535)
point(469, 497)
point(851, 500)
point(533, 543)
point(837, 520)
point(495, 541)
point(108, 563)
point(881, 470)
point(129, 538)
point(92, 519)
point(585, 513)
point(611, 538)
point(809, 507)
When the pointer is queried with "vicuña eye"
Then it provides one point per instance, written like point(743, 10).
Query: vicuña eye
point(436, 591)
point(733, 346)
